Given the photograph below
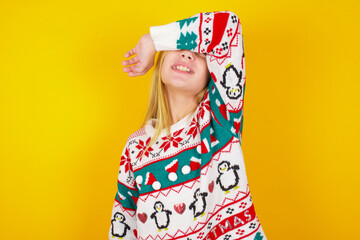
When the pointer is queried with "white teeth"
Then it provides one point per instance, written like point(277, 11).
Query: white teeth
point(183, 68)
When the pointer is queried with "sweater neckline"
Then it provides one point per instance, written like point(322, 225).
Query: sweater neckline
point(150, 130)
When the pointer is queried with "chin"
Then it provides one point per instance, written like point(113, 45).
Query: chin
point(176, 85)
point(175, 81)
point(180, 87)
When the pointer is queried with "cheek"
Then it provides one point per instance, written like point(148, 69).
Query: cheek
point(202, 81)
point(205, 76)
point(205, 72)
point(164, 73)
point(165, 69)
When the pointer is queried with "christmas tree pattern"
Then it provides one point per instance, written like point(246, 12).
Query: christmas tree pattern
point(186, 21)
point(258, 236)
point(187, 41)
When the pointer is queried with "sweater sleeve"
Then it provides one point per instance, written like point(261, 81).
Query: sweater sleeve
point(219, 36)
point(123, 217)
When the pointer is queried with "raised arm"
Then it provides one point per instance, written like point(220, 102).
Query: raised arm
point(123, 218)
point(219, 35)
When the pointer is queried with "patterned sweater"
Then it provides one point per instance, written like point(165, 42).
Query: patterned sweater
point(192, 185)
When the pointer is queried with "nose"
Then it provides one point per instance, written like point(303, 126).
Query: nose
point(188, 55)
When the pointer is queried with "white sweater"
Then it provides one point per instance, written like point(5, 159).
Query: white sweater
point(193, 185)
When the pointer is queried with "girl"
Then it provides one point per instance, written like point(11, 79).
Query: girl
point(182, 174)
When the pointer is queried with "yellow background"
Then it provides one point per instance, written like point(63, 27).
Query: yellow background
point(67, 110)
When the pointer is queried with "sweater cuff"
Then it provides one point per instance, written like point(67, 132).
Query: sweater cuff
point(165, 36)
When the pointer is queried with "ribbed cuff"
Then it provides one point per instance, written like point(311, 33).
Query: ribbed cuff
point(165, 36)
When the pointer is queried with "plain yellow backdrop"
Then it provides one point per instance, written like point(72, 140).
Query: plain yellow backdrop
point(67, 109)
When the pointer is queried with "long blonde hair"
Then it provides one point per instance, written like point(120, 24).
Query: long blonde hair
point(158, 107)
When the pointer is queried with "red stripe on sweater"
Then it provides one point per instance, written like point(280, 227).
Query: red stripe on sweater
point(201, 18)
point(220, 23)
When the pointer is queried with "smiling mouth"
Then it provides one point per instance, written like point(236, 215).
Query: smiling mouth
point(182, 69)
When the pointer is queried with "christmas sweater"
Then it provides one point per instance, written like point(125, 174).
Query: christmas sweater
point(192, 184)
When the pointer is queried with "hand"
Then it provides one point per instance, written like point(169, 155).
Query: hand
point(145, 53)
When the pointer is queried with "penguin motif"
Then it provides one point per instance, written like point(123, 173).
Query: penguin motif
point(118, 225)
point(199, 204)
point(161, 216)
point(231, 81)
point(228, 178)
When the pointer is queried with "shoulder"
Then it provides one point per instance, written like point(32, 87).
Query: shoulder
point(135, 144)
point(136, 139)
point(140, 133)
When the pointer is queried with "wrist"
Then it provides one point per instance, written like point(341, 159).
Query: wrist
point(151, 42)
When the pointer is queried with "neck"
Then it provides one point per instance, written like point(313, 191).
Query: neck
point(180, 103)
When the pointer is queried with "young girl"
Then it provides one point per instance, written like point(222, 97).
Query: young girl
point(182, 174)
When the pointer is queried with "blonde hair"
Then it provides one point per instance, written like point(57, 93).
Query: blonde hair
point(158, 107)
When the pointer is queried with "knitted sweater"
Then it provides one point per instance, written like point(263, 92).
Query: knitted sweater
point(192, 185)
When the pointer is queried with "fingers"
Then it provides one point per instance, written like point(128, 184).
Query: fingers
point(130, 53)
point(132, 74)
point(136, 68)
point(131, 61)
point(129, 69)
point(126, 69)
point(133, 70)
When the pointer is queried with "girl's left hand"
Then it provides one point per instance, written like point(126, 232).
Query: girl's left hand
point(145, 53)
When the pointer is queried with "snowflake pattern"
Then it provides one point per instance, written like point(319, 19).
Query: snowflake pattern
point(194, 128)
point(126, 161)
point(175, 139)
point(205, 106)
point(141, 146)
point(172, 140)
